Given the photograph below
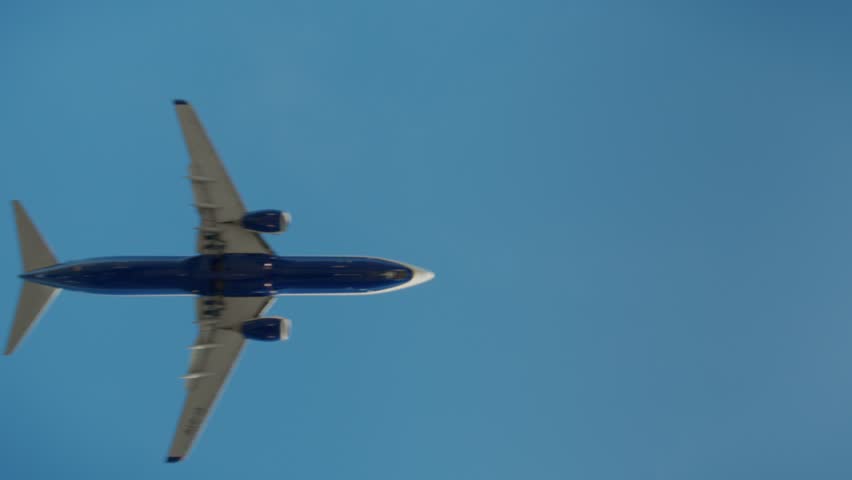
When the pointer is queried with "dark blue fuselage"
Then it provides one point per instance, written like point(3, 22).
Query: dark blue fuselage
point(230, 275)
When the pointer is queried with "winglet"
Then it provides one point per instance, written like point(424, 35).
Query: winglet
point(178, 101)
point(173, 459)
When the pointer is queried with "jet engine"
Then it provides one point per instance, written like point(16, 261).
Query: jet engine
point(266, 221)
point(267, 329)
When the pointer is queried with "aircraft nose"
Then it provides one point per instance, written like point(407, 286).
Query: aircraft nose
point(421, 275)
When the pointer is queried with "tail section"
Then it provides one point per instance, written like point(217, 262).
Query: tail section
point(34, 298)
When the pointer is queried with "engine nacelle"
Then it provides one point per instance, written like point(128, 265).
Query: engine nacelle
point(266, 221)
point(267, 329)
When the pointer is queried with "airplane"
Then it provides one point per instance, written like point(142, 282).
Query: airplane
point(235, 278)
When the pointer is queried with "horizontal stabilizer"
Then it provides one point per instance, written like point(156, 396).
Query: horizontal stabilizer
point(34, 250)
point(32, 302)
point(34, 297)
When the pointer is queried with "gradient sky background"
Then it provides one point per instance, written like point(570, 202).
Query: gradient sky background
point(640, 219)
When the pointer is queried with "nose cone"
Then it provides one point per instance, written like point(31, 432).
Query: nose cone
point(421, 275)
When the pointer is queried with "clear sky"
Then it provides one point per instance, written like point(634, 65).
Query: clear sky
point(640, 218)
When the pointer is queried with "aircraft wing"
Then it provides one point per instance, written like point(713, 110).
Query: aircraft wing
point(213, 356)
point(217, 200)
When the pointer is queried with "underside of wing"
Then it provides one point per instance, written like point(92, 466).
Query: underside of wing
point(214, 355)
point(218, 202)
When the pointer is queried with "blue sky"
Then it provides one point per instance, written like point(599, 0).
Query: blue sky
point(640, 218)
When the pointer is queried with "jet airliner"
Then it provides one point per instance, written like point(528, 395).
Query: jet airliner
point(235, 278)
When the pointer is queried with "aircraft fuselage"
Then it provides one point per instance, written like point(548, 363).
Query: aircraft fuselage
point(231, 275)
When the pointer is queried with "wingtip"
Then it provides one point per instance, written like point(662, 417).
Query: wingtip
point(173, 459)
point(178, 101)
